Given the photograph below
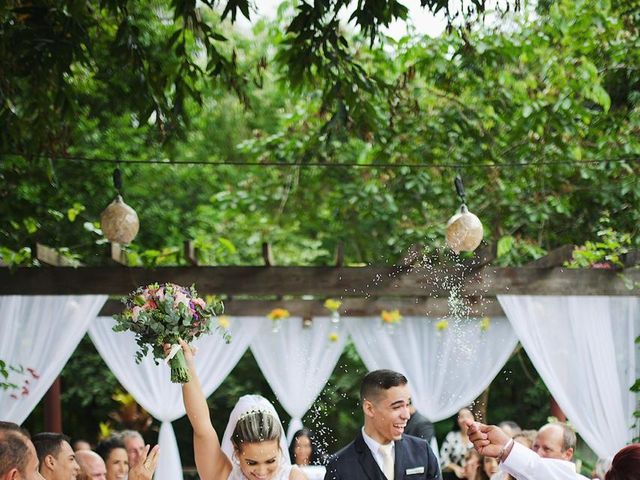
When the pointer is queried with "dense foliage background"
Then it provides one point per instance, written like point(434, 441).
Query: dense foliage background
point(538, 111)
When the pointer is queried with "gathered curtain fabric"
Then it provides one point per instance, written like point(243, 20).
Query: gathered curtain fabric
point(38, 334)
point(298, 360)
point(150, 384)
point(583, 348)
point(447, 366)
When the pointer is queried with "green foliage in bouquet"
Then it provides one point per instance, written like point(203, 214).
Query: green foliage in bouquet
point(162, 314)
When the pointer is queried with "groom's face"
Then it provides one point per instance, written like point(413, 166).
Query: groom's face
point(387, 414)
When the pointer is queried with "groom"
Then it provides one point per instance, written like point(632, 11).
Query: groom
point(381, 451)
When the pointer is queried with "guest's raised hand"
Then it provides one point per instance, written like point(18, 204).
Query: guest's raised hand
point(488, 440)
point(146, 467)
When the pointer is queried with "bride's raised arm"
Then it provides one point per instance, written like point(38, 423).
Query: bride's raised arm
point(211, 461)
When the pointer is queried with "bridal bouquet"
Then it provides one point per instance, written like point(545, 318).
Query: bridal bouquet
point(163, 313)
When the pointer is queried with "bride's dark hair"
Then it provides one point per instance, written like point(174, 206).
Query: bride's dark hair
point(255, 427)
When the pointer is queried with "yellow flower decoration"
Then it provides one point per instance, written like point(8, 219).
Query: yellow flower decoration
point(104, 430)
point(123, 398)
point(391, 316)
point(442, 325)
point(278, 314)
point(224, 322)
point(333, 337)
point(332, 305)
point(484, 324)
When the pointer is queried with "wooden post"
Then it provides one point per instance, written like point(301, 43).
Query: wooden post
point(53, 409)
point(556, 411)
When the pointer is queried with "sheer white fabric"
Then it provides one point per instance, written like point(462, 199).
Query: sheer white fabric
point(582, 347)
point(297, 362)
point(446, 369)
point(150, 384)
point(246, 404)
point(41, 333)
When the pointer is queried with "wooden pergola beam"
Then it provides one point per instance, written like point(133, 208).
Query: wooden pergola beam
point(352, 307)
point(320, 281)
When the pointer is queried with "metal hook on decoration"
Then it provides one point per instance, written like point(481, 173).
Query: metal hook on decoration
point(457, 182)
point(117, 179)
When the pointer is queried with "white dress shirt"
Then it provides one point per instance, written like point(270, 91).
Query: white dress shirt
point(375, 449)
point(524, 464)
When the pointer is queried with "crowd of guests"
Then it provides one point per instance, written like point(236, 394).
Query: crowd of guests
point(125, 455)
point(474, 451)
point(50, 456)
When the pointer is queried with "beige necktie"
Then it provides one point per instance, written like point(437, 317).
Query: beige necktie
point(387, 460)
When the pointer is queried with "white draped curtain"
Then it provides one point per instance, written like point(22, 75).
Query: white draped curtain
point(40, 332)
point(583, 348)
point(447, 369)
point(297, 361)
point(150, 384)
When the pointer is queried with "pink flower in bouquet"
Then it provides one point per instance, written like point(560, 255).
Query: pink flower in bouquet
point(135, 313)
point(160, 294)
point(181, 298)
point(200, 302)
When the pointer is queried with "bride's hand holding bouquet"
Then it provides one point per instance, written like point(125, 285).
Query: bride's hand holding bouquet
point(160, 314)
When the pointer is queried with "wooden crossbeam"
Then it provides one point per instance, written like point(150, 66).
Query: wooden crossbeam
point(49, 256)
point(319, 281)
point(555, 258)
point(353, 307)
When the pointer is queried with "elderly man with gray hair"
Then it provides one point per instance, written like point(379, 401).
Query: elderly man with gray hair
point(549, 458)
point(134, 444)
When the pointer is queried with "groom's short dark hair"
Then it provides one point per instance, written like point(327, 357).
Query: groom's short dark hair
point(374, 382)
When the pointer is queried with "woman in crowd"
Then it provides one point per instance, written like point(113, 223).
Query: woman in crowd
point(625, 464)
point(455, 446)
point(115, 457)
point(304, 453)
point(474, 467)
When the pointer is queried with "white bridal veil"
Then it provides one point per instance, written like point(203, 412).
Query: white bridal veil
point(248, 403)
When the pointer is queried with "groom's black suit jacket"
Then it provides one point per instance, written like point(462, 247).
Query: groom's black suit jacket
point(356, 462)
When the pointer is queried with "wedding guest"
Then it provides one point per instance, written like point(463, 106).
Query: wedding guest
point(18, 457)
point(92, 466)
point(56, 457)
point(304, 453)
point(473, 466)
point(134, 443)
point(381, 449)
point(510, 427)
point(80, 444)
point(115, 457)
point(302, 449)
point(550, 459)
point(419, 425)
point(490, 466)
point(526, 437)
point(455, 446)
point(625, 464)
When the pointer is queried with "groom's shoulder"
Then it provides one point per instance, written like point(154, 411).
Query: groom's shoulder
point(343, 453)
point(416, 444)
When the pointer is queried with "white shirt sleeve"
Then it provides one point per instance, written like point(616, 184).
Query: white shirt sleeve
point(525, 464)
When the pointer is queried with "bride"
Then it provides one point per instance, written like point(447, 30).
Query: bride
point(253, 446)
